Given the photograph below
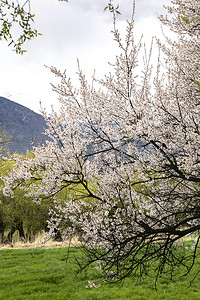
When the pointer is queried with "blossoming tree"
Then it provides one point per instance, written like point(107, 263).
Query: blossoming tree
point(128, 155)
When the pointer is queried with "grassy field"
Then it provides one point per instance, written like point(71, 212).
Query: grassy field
point(44, 274)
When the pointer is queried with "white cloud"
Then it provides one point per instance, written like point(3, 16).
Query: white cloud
point(78, 29)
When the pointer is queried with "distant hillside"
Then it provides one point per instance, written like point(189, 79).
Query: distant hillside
point(23, 124)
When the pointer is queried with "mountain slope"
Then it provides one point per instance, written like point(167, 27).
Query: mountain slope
point(23, 124)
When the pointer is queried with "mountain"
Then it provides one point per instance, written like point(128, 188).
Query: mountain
point(23, 124)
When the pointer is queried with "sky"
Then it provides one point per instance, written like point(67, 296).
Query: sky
point(79, 29)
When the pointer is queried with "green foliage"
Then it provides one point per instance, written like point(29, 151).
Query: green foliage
point(184, 19)
point(197, 83)
point(187, 19)
point(44, 274)
point(13, 15)
point(4, 141)
point(112, 8)
point(21, 213)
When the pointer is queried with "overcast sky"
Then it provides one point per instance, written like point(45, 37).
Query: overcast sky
point(77, 29)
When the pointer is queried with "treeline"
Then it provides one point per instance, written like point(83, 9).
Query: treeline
point(19, 215)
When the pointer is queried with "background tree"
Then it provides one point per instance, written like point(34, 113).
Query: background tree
point(131, 153)
point(3, 142)
point(20, 213)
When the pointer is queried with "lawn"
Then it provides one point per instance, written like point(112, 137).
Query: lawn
point(44, 274)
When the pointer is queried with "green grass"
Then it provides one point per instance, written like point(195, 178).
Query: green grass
point(44, 274)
